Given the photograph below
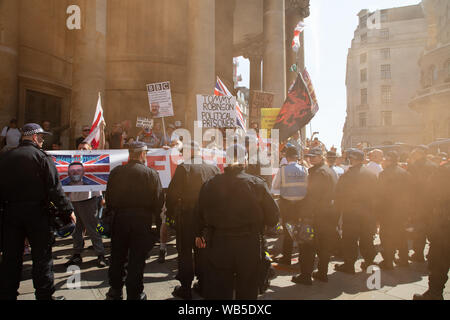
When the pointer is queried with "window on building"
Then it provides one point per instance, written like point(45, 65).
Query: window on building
point(363, 58)
point(363, 75)
point(386, 71)
point(385, 53)
point(364, 38)
point(384, 34)
point(363, 120)
point(432, 76)
point(364, 97)
point(384, 16)
point(386, 95)
point(386, 118)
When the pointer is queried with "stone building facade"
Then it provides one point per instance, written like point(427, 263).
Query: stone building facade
point(383, 75)
point(50, 72)
point(432, 99)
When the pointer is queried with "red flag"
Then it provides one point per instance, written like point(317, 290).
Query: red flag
point(297, 110)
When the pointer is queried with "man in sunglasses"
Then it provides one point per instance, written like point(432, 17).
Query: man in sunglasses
point(84, 134)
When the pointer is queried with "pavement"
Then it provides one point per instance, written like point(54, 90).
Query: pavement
point(159, 279)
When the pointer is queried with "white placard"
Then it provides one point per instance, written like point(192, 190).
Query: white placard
point(216, 111)
point(160, 99)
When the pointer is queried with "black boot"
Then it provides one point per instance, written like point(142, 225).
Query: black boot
point(428, 295)
point(74, 260)
point(346, 268)
point(162, 256)
point(114, 294)
point(182, 292)
point(323, 277)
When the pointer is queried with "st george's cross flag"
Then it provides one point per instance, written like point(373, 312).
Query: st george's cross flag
point(94, 135)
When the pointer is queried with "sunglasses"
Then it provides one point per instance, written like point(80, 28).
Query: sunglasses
point(85, 130)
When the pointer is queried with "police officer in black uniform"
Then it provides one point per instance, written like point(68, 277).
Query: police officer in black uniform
point(421, 170)
point(234, 208)
point(133, 193)
point(318, 208)
point(29, 183)
point(182, 198)
point(355, 199)
point(393, 211)
point(439, 235)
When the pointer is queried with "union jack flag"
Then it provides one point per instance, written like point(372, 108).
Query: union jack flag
point(96, 168)
point(221, 91)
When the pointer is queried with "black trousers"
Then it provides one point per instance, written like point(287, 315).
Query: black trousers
point(438, 264)
point(231, 266)
point(188, 265)
point(322, 246)
point(29, 222)
point(419, 239)
point(290, 213)
point(131, 240)
point(358, 234)
point(393, 238)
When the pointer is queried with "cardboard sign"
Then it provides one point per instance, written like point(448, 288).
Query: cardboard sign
point(216, 111)
point(160, 99)
point(144, 123)
point(268, 118)
point(260, 100)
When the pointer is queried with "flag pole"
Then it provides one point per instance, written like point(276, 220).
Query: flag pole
point(164, 128)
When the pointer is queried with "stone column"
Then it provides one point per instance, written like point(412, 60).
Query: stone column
point(255, 73)
point(201, 55)
point(89, 64)
point(274, 74)
point(255, 81)
point(9, 48)
point(224, 17)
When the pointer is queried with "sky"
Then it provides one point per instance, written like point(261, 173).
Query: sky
point(328, 35)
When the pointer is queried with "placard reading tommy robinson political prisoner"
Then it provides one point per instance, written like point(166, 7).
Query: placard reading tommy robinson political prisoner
point(216, 112)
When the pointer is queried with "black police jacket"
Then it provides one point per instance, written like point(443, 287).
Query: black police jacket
point(236, 201)
point(394, 197)
point(184, 188)
point(439, 212)
point(29, 176)
point(421, 174)
point(356, 194)
point(134, 187)
point(318, 203)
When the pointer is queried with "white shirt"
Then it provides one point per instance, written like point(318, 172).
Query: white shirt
point(374, 167)
point(12, 136)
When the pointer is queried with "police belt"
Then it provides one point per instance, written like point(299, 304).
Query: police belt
point(235, 232)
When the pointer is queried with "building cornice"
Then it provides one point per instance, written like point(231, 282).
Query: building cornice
point(299, 7)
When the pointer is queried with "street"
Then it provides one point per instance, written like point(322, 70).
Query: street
point(159, 279)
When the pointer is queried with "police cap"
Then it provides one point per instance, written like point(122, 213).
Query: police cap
point(33, 128)
point(137, 146)
point(314, 152)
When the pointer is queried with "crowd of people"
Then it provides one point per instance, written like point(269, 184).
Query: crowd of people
point(336, 204)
